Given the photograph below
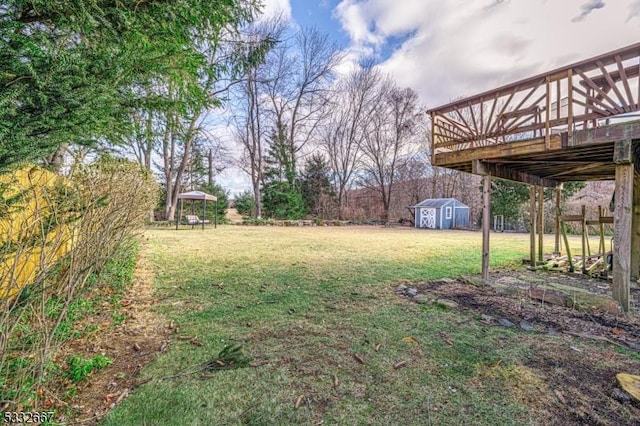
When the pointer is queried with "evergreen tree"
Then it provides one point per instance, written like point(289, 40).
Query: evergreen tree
point(69, 70)
point(245, 203)
point(281, 196)
point(315, 183)
point(507, 198)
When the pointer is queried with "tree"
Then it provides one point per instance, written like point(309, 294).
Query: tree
point(281, 193)
point(507, 198)
point(251, 115)
point(67, 69)
point(393, 124)
point(344, 132)
point(297, 82)
point(315, 184)
point(245, 204)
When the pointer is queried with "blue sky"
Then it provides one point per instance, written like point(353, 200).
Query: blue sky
point(448, 49)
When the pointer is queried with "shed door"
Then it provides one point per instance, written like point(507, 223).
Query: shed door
point(427, 218)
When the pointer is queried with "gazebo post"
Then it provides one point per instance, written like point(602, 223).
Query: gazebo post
point(179, 212)
point(204, 212)
point(215, 221)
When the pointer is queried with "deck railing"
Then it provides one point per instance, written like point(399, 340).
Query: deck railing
point(579, 96)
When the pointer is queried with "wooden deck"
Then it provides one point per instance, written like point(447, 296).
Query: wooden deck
point(554, 127)
point(575, 123)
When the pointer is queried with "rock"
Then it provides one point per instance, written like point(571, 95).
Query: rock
point(450, 304)
point(630, 384)
point(548, 296)
point(527, 326)
point(400, 289)
point(411, 292)
point(506, 323)
point(422, 299)
point(634, 345)
point(486, 318)
point(620, 395)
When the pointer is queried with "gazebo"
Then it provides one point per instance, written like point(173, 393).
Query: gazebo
point(195, 196)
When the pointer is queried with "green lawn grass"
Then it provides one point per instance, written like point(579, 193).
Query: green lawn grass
point(305, 300)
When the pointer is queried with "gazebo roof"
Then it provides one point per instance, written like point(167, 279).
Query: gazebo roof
point(196, 195)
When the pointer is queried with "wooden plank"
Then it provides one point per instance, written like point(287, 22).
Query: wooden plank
point(622, 235)
point(532, 221)
point(570, 106)
point(584, 237)
point(601, 248)
point(624, 76)
point(547, 127)
point(635, 234)
point(613, 86)
point(563, 228)
point(540, 223)
point(607, 134)
point(623, 152)
point(505, 172)
point(526, 147)
point(571, 218)
point(556, 247)
point(486, 212)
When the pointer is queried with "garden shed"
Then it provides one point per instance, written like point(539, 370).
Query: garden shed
point(441, 213)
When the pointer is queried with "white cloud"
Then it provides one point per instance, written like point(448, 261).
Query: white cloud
point(273, 8)
point(458, 48)
point(587, 8)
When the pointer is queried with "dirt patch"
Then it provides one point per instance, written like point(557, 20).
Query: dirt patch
point(131, 345)
point(579, 364)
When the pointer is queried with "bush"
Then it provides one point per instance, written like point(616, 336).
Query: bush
point(246, 204)
point(63, 234)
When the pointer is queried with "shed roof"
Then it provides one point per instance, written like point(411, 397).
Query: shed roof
point(197, 195)
point(439, 202)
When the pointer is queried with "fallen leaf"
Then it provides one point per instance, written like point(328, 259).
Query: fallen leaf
point(298, 402)
point(410, 339)
point(399, 364)
point(378, 346)
point(136, 347)
point(446, 339)
point(358, 358)
point(336, 381)
point(258, 363)
point(560, 396)
point(196, 342)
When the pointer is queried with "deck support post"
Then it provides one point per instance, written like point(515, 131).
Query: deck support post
point(540, 227)
point(480, 168)
point(635, 235)
point(532, 221)
point(556, 247)
point(486, 223)
point(622, 222)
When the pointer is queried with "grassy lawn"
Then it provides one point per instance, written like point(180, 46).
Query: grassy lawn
point(304, 301)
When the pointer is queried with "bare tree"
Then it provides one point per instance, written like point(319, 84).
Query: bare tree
point(393, 127)
point(343, 134)
point(297, 79)
point(250, 118)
